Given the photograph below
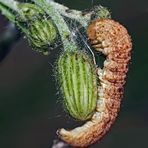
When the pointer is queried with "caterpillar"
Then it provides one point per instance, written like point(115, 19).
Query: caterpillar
point(110, 38)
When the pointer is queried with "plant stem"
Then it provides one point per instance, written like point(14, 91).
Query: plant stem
point(70, 13)
point(6, 12)
point(12, 4)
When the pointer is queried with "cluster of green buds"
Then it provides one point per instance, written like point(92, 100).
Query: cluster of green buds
point(78, 83)
point(38, 28)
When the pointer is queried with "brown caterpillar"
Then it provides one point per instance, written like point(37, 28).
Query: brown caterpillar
point(112, 39)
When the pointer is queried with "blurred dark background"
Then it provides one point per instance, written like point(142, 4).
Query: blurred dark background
point(30, 108)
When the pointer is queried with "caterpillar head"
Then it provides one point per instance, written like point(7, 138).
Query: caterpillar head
point(107, 35)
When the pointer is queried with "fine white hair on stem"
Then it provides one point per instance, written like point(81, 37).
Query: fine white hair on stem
point(10, 3)
point(72, 14)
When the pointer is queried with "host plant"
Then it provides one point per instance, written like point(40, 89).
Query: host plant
point(43, 22)
point(45, 17)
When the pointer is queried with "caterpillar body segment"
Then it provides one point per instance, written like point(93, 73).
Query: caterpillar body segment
point(112, 39)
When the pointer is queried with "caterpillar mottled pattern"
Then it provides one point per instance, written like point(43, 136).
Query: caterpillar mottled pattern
point(112, 39)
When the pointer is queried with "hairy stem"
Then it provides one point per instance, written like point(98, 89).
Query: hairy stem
point(70, 13)
point(12, 4)
point(6, 12)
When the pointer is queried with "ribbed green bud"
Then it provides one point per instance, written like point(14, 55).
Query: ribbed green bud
point(40, 30)
point(42, 34)
point(78, 84)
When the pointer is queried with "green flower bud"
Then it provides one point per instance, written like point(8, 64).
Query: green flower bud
point(41, 35)
point(78, 84)
point(100, 12)
point(39, 30)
